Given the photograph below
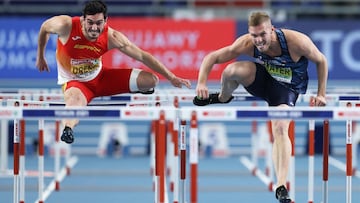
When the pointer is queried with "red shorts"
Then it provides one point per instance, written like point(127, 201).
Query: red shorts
point(108, 82)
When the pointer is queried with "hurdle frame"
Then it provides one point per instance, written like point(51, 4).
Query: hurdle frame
point(280, 116)
point(305, 113)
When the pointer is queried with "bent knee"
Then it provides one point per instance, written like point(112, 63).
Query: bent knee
point(74, 97)
point(243, 71)
point(147, 80)
point(280, 128)
point(230, 70)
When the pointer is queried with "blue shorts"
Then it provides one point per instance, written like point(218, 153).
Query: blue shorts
point(269, 89)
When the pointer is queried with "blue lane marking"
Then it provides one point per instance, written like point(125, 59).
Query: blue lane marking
point(344, 98)
point(247, 98)
point(68, 113)
point(291, 114)
point(113, 98)
point(91, 104)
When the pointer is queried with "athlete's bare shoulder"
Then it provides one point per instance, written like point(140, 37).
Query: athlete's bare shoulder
point(299, 44)
point(243, 45)
point(117, 39)
point(295, 37)
point(60, 25)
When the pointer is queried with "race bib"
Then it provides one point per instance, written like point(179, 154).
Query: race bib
point(84, 67)
point(282, 74)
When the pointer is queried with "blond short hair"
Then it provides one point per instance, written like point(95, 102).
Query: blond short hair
point(258, 17)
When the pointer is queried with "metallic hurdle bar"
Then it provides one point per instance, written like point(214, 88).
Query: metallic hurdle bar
point(311, 159)
point(30, 103)
point(335, 115)
point(286, 114)
point(55, 100)
point(239, 113)
point(40, 196)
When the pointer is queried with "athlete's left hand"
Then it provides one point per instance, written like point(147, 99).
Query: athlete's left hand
point(42, 65)
point(319, 101)
point(179, 82)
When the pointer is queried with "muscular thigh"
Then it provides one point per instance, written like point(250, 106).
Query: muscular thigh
point(108, 82)
point(242, 71)
point(77, 91)
point(112, 81)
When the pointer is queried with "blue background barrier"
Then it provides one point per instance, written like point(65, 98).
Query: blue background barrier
point(18, 46)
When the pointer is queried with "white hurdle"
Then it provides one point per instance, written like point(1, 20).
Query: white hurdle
point(16, 161)
point(41, 161)
point(291, 115)
point(230, 114)
point(352, 138)
point(47, 100)
point(19, 154)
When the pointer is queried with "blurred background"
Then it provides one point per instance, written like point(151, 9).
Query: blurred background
point(287, 9)
point(180, 33)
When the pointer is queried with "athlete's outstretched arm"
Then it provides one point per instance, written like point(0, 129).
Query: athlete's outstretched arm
point(59, 25)
point(119, 41)
point(308, 49)
point(240, 46)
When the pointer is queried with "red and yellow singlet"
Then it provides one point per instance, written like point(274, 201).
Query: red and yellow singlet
point(80, 59)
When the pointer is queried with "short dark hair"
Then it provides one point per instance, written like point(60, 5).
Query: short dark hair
point(95, 6)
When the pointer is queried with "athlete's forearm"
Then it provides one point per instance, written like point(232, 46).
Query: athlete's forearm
point(157, 66)
point(205, 69)
point(322, 72)
point(42, 42)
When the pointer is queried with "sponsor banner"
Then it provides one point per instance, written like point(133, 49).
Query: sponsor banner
point(7, 113)
point(68, 113)
point(344, 114)
point(139, 114)
point(180, 44)
point(18, 47)
point(147, 114)
point(284, 114)
point(216, 114)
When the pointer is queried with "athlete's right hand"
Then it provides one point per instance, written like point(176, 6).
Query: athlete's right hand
point(202, 91)
point(42, 65)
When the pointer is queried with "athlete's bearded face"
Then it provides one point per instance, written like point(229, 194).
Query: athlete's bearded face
point(261, 36)
point(94, 25)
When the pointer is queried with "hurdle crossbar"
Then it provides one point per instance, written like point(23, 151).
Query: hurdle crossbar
point(206, 114)
point(184, 97)
point(185, 113)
